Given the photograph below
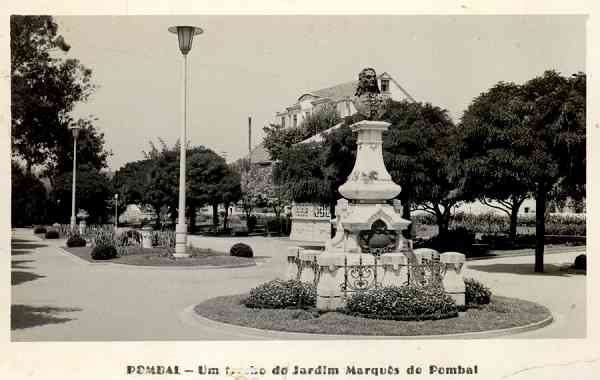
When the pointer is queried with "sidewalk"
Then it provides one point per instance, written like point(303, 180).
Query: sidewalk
point(91, 302)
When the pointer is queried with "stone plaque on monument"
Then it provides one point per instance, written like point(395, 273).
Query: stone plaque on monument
point(310, 222)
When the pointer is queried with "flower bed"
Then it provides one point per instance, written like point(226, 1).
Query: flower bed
point(500, 313)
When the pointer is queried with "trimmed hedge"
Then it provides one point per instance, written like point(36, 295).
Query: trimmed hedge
point(278, 294)
point(580, 262)
point(76, 241)
point(52, 234)
point(476, 293)
point(40, 230)
point(403, 303)
point(104, 252)
point(241, 250)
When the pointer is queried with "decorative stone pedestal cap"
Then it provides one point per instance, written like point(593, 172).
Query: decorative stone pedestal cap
point(369, 179)
point(452, 258)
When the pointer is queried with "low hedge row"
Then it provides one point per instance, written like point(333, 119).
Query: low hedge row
point(402, 303)
point(278, 294)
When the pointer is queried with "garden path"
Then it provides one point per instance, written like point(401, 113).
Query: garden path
point(107, 302)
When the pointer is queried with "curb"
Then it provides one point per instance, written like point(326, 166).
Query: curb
point(190, 316)
point(153, 267)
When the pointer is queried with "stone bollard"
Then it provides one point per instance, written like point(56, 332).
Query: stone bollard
point(453, 281)
point(82, 226)
point(147, 237)
point(308, 259)
point(329, 295)
point(395, 269)
point(426, 254)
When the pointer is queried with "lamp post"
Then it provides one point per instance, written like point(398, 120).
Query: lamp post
point(75, 129)
point(185, 35)
point(116, 214)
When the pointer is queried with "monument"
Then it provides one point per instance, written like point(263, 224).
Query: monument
point(368, 249)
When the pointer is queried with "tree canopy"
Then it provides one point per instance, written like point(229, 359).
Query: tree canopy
point(154, 181)
point(44, 90)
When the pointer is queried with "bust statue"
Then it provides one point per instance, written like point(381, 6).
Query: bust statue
point(368, 99)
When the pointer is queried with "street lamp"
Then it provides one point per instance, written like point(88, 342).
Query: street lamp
point(75, 129)
point(185, 35)
point(116, 214)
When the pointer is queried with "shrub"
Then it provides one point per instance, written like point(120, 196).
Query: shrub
point(580, 262)
point(104, 252)
point(456, 240)
point(476, 293)
point(75, 241)
point(241, 250)
point(39, 230)
point(278, 294)
point(52, 234)
point(403, 303)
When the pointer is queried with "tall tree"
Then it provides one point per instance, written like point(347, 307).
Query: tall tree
point(44, 89)
point(29, 201)
point(493, 168)
point(550, 114)
point(94, 194)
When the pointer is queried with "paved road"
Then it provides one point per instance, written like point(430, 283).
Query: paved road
point(107, 302)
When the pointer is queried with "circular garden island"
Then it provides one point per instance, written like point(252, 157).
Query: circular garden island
point(126, 248)
point(409, 310)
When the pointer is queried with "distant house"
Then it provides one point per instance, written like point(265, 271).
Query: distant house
point(340, 96)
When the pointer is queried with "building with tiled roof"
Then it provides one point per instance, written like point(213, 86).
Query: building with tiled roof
point(339, 96)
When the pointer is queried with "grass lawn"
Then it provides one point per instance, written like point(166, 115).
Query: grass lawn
point(501, 313)
point(157, 257)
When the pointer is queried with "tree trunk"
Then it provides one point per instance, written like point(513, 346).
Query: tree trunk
point(540, 228)
point(192, 226)
point(442, 220)
point(225, 217)
point(215, 208)
point(514, 215)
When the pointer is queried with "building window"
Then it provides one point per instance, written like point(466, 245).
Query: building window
point(385, 85)
point(526, 210)
point(295, 122)
point(306, 114)
point(283, 122)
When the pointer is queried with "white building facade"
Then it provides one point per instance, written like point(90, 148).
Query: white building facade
point(339, 96)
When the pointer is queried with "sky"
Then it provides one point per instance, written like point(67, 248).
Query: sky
point(257, 65)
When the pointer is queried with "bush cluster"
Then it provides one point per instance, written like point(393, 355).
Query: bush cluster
point(278, 294)
point(104, 245)
point(75, 241)
point(104, 252)
point(492, 224)
point(403, 303)
point(241, 250)
point(52, 234)
point(279, 225)
point(580, 262)
point(39, 230)
point(476, 293)
point(456, 240)
point(164, 238)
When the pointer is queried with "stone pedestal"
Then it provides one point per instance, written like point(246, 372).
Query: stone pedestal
point(147, 237)
point(82, 227)
point(453, 280)
point(181, 240)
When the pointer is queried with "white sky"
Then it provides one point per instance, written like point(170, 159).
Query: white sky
point(257, 65)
